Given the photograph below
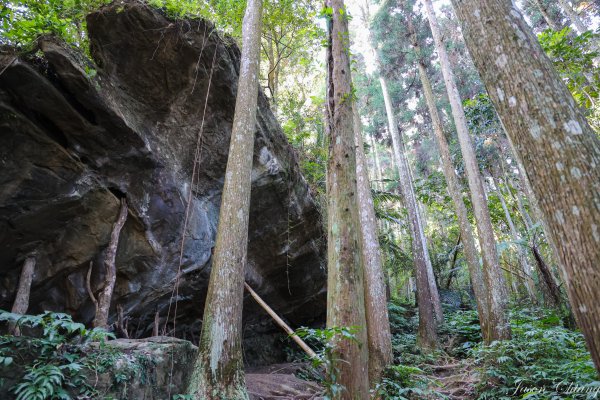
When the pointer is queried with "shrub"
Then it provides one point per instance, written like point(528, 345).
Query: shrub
point(53, 362)
point(543, 360)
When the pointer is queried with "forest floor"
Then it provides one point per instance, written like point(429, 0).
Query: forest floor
point(545, 353)
point(279, 381)
point(454, 379)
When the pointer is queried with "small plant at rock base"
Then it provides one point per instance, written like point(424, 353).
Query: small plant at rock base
point(401, 382)
point(57, 364)
point(326, 356)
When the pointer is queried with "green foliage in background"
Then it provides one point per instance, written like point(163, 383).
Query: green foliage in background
point(24, 21)
point(573, 59)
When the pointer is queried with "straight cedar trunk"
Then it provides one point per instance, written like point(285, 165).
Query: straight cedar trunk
point(573, 16)
point(427, 296)
point(378, 172)
point(219, 369)
point(21, 303)
point(379, 336)
point(110, 270)
point(454, 189)
point(552, 140)
point(526, 269)
point(345, 287)
point(546, 15)
point(498, 327)
point(550, 289)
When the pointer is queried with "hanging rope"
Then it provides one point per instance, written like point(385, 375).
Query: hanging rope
point(194, 177)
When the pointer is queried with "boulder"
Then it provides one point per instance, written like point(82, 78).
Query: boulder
point(148, 118)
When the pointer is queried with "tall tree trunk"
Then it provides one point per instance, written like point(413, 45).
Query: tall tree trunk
point(21, 303)
point(427, 297)
point(550, 289)
point(453, 264)
point(546, 15)
point(345, 288)
point(378, 322)
point(378, 172)
point(110, 270)
point(573, 16)
point(454, 189)
point(219, 369)
point(522, 255)
point(497, 300)
point(552, 140)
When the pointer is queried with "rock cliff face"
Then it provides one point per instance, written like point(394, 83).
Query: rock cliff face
point(76, 136)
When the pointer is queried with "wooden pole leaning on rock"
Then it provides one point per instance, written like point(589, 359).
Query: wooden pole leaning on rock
point(105, 295)
point(280, 322)
point(21, 303)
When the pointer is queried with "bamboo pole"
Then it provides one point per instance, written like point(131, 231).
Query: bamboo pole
point(280, 322)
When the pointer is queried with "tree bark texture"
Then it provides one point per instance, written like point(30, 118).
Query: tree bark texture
point(455, 191)
point(345, 287)
point(110, 270)
point(219, 369)
point(427, 296)
point(378, 322)
point(497, 300)
point(552, 140)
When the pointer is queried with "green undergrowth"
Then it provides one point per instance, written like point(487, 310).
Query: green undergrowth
point(543, 360)
point(56, 358)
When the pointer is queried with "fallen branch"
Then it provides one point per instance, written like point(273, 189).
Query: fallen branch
point(281, 323)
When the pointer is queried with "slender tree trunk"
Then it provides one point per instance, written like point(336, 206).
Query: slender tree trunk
point(433, 284)
point(551, 289)
point(573, 16)
point(110, 269)
point(546, 15)
point(21, 303)
point(345, 287)
point(156, 324)
point(378, 322)
point(522, 256)
point(378, 172)
point(219, 369)
point(427, 297)
point(455, 191)
point(453, 264)
point(497, 300)
point(552, 140)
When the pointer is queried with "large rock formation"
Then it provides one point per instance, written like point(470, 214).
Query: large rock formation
point(76, 136)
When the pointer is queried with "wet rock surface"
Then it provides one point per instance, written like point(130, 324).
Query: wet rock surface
point(75, 136)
